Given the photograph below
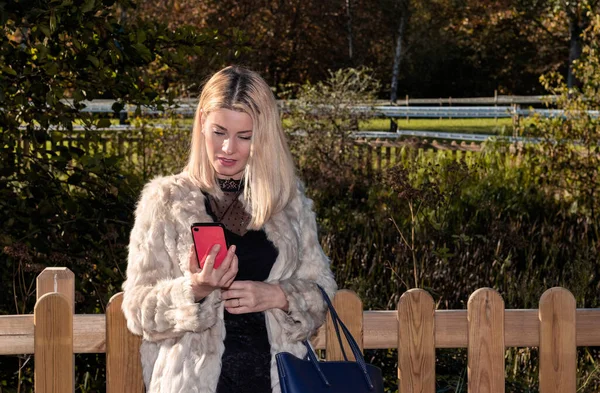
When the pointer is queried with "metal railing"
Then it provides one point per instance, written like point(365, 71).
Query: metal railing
point(187, 108)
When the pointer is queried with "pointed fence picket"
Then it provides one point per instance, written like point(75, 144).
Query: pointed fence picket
point(54, 334)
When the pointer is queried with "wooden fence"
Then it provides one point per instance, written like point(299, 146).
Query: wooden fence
point(54, 334)
point(139, 150)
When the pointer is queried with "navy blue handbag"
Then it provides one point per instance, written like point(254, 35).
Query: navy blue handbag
point(309, 375)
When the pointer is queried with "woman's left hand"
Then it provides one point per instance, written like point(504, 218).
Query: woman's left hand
point(253, 296)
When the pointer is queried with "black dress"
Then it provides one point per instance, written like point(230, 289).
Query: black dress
point(246, 362)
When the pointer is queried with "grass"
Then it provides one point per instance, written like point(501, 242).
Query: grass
point(465, 126)
point(469, 126)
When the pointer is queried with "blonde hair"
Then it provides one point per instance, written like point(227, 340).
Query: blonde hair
point(269, 177)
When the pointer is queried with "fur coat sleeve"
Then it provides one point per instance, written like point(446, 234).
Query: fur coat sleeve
point(158, 302)
point(307, 309)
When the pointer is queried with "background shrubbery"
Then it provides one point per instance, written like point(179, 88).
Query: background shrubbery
point(520, 222)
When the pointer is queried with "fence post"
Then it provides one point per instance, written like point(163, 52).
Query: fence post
point(350, 310)
point(485, 319)
point(123, 117)
point(123, 365)
point(388, 155)
point(496, 105)
point(378, 153)
point(416, 345)
point(515, 119)
point(369, 162)
point(558, 347)
point(57, 279)
point(53, 345)
point(407, 110)
point(49, 281)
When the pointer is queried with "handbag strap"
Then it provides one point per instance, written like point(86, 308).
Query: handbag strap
point(353, 345)
point(335, 318)
point(312, 357)
point(337, 323)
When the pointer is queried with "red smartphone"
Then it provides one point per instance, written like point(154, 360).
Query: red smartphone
point(206, 235)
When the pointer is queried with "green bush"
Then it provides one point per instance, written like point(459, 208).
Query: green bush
point(569, 152)
point(445, 223)
point(73, 205)
point(452, 224)
point(320, 123)
point(451, 228)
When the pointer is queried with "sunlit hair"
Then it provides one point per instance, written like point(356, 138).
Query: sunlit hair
point(270, 181)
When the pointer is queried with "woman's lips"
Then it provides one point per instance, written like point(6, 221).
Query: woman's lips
point(226, 162)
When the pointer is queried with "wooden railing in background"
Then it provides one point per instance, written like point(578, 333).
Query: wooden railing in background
point(54, 334)
point(374, 154)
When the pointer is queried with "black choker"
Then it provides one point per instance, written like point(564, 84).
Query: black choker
point(230, 185)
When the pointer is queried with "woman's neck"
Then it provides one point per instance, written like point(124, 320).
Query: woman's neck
point(230, 185)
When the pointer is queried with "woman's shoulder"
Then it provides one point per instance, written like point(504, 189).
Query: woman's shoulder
point(177, 180)
point(164, 190)
point(300, 202)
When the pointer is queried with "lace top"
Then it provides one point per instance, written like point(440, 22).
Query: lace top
point(246, 362)
point(229, 210)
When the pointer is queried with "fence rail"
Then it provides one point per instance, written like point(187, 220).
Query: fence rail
point(54, 333)
point(188, 105)
point(375, 151)
point(495, 100)
point(124, 130)
point(473, 112)
point(186, 109)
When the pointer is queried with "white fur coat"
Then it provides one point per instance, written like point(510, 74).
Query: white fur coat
point(182, 340)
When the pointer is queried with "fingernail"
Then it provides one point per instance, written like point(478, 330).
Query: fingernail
point(217, 247)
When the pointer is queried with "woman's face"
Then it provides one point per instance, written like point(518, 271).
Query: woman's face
point(228, 137)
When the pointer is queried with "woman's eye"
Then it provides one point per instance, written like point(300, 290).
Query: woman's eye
point(246, 138)
point(216, 132)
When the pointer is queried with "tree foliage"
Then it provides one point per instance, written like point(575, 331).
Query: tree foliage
point(72, 204)
point(569, 150)
point(321, 122)
point(78, 50)
point(449, 48)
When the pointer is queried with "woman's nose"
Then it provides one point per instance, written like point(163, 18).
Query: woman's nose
point(228, 146)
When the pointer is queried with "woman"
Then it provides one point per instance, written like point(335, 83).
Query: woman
point(218, 330)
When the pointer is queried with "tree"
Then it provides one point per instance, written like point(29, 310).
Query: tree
point(451, 48)
point(349, 23)
point(72, 206)
point(563, 22)
point(405, 15)
point(569, 151)
point(79, 50)
point(578, 15)
point(322, 121)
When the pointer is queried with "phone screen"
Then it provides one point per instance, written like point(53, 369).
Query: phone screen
point(205, 236)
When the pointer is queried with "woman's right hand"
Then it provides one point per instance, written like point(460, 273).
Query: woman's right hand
point(208, 279)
